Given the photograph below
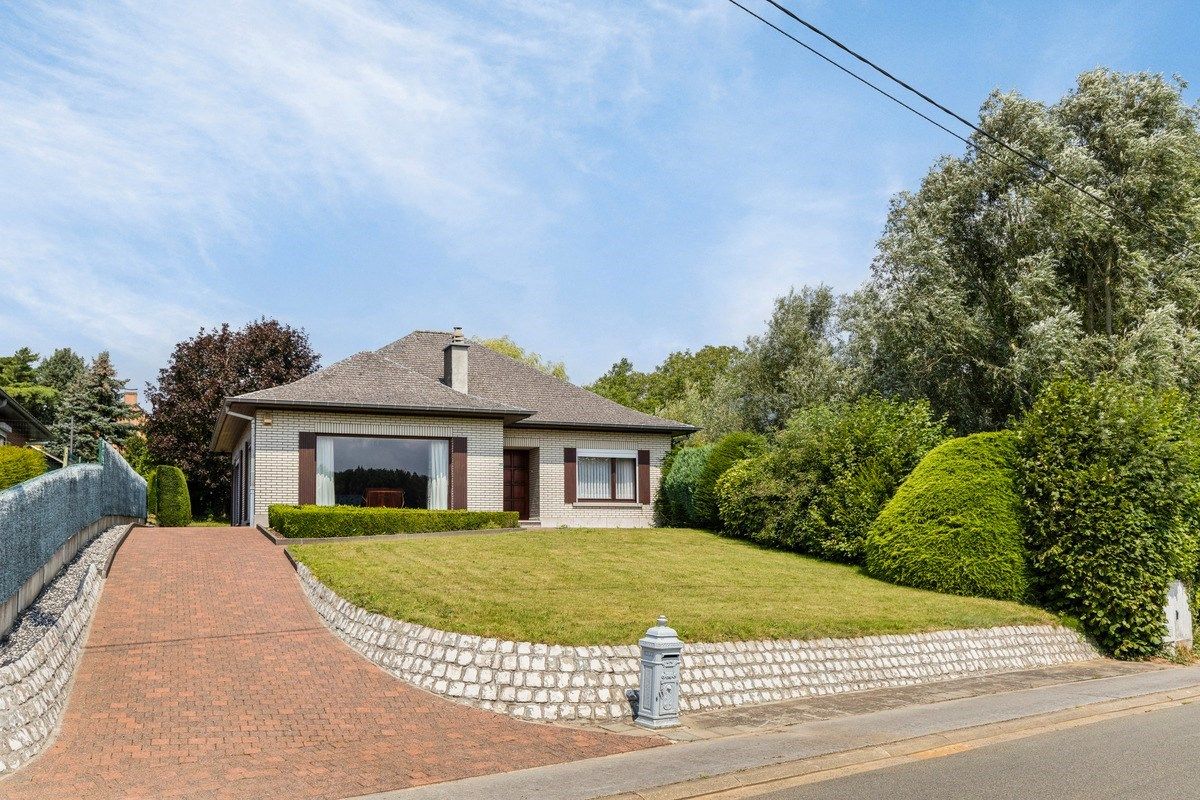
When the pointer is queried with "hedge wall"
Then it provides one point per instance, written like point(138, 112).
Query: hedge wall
point(172, 505)
point(19, 464)
point(954, 525)
point(1109, 476)
point(313, 522)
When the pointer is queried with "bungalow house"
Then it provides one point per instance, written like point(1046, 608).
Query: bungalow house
point(436, 421)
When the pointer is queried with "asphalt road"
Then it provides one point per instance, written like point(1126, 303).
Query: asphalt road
point(1152, 756)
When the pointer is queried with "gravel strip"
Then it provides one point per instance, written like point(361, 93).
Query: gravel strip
point(34, 621)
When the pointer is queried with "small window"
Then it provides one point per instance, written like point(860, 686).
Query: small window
point(607, 475)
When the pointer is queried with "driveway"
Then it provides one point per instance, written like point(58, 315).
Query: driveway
point(207, 674)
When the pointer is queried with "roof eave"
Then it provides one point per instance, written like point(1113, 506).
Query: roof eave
point(250, 404)
point(677, 429)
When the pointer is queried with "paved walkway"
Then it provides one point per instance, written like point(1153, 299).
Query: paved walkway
point(207, 674)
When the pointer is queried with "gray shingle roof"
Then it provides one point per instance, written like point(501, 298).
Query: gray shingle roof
point(406, 376)
point(554, 402)
point(375, 380)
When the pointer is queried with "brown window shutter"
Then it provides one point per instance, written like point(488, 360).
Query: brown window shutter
point(644, 477)
point(569, 475)
point(308, 469)
point(458, 472)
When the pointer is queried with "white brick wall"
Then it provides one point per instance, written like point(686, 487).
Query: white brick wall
point(276, 462)
point(547, 465)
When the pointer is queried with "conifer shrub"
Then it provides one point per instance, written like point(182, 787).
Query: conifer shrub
point(674, 505)
point(954, 525)
point(173, 506)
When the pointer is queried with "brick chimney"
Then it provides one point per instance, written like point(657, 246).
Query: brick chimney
point(454, 372)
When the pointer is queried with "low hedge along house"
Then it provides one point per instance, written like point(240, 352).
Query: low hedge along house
point(436, 421)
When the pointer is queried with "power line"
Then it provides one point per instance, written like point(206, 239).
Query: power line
point(1030, 160)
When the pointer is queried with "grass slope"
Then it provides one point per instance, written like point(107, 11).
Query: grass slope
point(606, 587)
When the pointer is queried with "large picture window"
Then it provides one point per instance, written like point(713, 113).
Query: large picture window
point(606, 474)
point(394, 473)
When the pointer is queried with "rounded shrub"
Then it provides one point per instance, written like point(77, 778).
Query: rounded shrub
point(729, 449)
point(954, 525)
point(674, 505)
point(19, 464)
point(746, 496)
point(173, 507)
point(1109, 478)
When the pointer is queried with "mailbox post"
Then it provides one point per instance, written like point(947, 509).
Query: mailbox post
point(658, 698)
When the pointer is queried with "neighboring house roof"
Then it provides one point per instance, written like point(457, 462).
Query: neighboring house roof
point(20, 420)
point(406, 377)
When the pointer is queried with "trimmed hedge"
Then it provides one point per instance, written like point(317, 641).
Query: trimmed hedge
point(1109, 476)
point(674, 506)
point(954, 525)
point(172, 506)
point(19, 464)
point(730, 449)
point(318, 522)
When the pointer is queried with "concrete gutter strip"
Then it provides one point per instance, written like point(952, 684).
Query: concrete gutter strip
point(638, 773)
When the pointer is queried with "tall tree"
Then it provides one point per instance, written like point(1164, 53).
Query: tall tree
point(204, 370)
point(90, 409)
point(61, 369)
point(994, 277)
point(798, 362)
point(681, 387)
point(506, 346)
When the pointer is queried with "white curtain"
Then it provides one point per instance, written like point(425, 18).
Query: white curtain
point(439, 474)
point(626, 478)
point(325, 493)
point(594, 478)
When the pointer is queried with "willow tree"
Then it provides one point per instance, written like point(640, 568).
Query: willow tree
point(995, 277)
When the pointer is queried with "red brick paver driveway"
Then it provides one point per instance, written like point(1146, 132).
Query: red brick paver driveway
point(207, 674)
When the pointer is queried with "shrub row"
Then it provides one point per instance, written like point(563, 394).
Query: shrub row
point(167, 497)
point(831, 471)
point(313, 522)
point(18, 464)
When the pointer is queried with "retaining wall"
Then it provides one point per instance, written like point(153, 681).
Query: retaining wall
point(44, 522)
point(33, 689)
point(553, 682)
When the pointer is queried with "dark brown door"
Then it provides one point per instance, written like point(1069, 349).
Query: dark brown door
point(516, 482)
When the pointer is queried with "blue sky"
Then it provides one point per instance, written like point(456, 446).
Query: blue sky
point(593, 179)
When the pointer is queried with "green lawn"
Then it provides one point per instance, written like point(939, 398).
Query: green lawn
point(606, 586)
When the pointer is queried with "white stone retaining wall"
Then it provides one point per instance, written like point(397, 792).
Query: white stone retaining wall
point(33, 689)
point(553, 682)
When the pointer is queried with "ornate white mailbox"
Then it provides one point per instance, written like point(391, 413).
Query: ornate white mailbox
point(658, 698)
point(1179, 617)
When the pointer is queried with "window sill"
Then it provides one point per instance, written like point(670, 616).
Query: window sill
point(608, 504)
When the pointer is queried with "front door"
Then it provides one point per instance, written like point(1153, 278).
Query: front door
point(516, 482)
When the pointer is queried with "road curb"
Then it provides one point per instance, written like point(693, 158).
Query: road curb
point(755, 781)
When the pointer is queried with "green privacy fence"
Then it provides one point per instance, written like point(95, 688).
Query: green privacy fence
point(40, 515)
